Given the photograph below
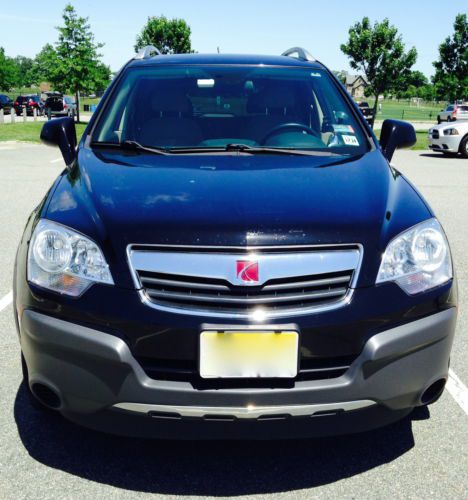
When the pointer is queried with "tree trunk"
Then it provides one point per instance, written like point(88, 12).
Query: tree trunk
point(77, 100)
point(374, 113)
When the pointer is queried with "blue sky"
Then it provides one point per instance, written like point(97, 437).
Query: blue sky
point(237, 26)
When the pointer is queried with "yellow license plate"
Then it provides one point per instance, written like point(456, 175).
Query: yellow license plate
point(249, 354)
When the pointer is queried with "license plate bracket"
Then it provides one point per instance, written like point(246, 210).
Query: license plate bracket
point(250, 351)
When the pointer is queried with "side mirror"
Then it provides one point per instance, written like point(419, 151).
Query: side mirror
point(61, 132)
point(396, 134)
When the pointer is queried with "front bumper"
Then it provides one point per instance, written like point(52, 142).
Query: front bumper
point(101, 385)
point(445, 143)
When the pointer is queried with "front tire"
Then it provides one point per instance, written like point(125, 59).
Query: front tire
point(464, 147)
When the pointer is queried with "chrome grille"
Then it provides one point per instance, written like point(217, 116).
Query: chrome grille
point(186, 291)
point(205, 283)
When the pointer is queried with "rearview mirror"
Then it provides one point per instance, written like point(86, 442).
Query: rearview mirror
point(61, 132)
point(396, 134)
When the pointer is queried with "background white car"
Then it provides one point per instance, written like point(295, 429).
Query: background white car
point(450, 138)
point(453, 112)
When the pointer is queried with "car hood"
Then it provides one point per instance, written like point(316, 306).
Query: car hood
point(119, 198)
point(459, 124)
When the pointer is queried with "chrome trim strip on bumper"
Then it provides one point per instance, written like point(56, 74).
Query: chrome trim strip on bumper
point(245, 412)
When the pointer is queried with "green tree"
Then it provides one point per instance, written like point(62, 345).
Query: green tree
point(78, 66)
point(451, 76)
point(8, 72)
point(410, 91)
point(170, 36)
point(427, 92)
point(44, 65)
point(409, 85)
point(417, 79)
point(24, 65)
point(341, 75)
point(103, 77)
point(379, 52)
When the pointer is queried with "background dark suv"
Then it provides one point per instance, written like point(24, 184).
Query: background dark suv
point(5, 103)
point(31, 102)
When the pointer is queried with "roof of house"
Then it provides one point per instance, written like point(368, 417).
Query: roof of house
point(351, 79)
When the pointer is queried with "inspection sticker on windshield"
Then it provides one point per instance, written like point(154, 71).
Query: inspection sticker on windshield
point(338, 127)
point(350, 140)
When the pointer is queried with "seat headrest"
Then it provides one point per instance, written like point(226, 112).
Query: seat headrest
point(276, 97)
point(170, 101)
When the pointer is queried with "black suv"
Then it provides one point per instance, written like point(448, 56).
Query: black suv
point(5, 103)
point(30, 102)
point(366, 110)
point(230, 254)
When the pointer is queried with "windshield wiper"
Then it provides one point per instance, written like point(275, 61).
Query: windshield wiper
point(139, 147)
point(242, 148)
point(281, 151)
point(132, 146)
point(252, 150)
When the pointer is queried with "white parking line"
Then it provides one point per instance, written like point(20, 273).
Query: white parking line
point(458, 391)
point(455, 386)
point(56, 160)
point(6, 301)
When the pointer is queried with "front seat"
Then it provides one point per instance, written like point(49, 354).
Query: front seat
point(170, 121)
point(269, 108)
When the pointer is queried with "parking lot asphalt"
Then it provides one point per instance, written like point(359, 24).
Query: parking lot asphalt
point(44, 456)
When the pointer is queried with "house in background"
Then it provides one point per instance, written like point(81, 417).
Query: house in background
point(356, 85)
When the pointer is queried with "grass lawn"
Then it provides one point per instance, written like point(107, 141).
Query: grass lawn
point(405, 110)
point(29, 131)
point(421, 140)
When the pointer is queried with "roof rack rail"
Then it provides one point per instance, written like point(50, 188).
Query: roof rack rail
point(147, 51)
point(298, 53)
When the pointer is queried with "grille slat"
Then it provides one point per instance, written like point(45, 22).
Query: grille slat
point(328, 281)
point(146, 281)
point(259, 299)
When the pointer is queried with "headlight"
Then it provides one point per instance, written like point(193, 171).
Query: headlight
point(65, 261)
point(417, 259)
point(450, 131)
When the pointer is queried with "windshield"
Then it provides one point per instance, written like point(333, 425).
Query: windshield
point(215, 106)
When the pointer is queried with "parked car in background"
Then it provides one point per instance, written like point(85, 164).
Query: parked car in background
point(366, 110)
point(30, 102)
point(450, 139)
point(60, 105)
point(5, 103)
point(453, 112)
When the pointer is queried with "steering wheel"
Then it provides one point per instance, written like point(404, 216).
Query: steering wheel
point(285, 126)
